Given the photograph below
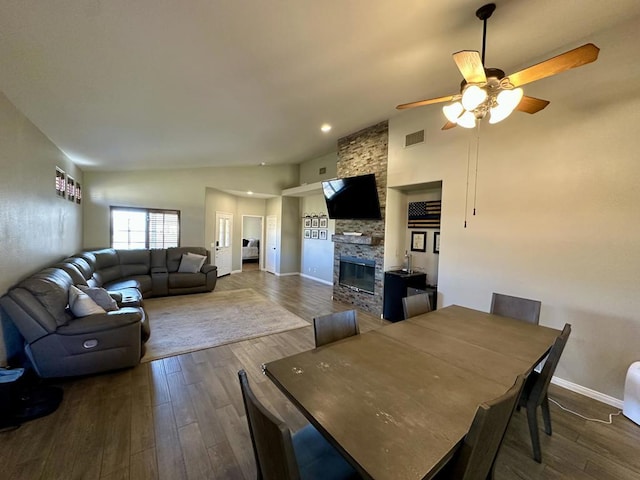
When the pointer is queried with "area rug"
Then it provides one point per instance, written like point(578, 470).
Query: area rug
point(186, 323)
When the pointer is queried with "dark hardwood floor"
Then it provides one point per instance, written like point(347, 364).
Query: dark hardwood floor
point(182, 417)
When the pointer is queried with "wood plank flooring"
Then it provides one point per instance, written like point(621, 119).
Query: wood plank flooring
point(182, 417)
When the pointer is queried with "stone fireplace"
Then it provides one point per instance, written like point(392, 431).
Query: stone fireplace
point(360, 153)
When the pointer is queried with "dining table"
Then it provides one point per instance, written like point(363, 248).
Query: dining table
point(397, 401)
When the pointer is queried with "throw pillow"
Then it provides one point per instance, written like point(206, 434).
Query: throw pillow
point(101, 297)
point(81, 304)
point(191, 263)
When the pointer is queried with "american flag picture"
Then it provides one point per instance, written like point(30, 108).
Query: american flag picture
point(424, 214)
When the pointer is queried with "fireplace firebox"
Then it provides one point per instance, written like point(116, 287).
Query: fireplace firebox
point(357, 273)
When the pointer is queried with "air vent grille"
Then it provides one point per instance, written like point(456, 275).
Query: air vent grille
point(414, 138)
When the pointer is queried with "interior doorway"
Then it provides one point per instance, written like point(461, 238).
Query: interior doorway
point(252, 242)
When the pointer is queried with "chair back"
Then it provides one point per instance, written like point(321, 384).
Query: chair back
point(539, 389)
point(334, 327)
point(271, 439)
point(516, 307)
point(415, 305)
point(476, 457)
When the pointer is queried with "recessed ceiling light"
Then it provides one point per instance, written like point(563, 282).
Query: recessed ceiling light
point(249, 192)
point(262, 164)
point(325, 128)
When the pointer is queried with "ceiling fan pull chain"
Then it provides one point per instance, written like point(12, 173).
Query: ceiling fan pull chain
point(466, 197)
point(475, 187)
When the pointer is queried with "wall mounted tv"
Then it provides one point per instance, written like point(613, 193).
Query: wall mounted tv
point(352, 198)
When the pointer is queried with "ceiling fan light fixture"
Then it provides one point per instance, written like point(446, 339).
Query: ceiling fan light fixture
point(506, 102)
point(453, 111)
point(472, 96)
point(467, 120)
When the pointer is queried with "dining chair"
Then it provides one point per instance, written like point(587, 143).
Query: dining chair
point(534, 393)
point(475, 459)
point(305, 455)
point(415, 305)
point(516, 307)
point(334, 327)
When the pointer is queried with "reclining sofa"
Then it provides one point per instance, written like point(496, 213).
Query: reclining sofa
point(60, 344)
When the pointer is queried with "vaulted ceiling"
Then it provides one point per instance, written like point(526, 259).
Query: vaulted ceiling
point(136, 84)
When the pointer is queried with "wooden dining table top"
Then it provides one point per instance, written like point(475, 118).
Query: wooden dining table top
point(397, 401)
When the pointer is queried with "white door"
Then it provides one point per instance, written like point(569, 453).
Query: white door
point(224, 234)
point(271, 243)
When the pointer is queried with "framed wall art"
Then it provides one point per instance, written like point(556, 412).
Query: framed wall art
point(418, 241)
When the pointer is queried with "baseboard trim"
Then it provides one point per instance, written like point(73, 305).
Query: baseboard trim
point(287, 274)
point(316, 279)
point(587, 392)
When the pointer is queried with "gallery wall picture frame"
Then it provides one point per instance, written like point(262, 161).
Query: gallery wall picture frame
point(307, 233)
point(307, 222)
point(324, 222)
point(314, 233)
point(315, 222)
point(436, 242)
point(418, 241)
point(323, 234)
point(61, 183)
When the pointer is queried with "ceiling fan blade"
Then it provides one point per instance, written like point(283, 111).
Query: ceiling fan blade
point(531, 104)
point(470, 65)
point(428, 101)
point(449, 125)
point(573, 58)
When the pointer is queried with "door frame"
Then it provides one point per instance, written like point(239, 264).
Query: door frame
point(262, 249)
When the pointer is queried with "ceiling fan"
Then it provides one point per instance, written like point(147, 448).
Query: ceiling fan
point(489, 91)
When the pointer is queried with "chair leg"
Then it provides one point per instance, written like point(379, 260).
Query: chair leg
point(533, 430)
point(546, 415)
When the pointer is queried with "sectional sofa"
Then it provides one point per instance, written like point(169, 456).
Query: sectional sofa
point(68, 339)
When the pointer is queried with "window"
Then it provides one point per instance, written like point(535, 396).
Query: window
point(144, 228)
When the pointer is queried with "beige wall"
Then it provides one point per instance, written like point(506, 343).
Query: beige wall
point(557, 209)
point(36, 227)
point(310, 170)
point(218, 201)
point(182, 189)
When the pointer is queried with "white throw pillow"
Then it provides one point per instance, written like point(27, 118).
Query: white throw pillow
point(81, 304)
point(191, 263)
point(101, 297)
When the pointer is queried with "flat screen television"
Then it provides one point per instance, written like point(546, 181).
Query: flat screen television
point(352, 198)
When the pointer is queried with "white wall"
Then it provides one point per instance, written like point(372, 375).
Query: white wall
point(251, 227)
point(37, 228)
point(557, 206)
point(317, 255)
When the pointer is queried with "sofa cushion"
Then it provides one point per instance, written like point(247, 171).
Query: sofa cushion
point(72, 270)
point(174, 256)
point(81, 304)
point(100, 296)
point(50, 287)
point(186, 280)
point(191, 263)
point(134, 262)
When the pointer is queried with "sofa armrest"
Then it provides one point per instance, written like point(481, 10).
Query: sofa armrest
point(101, 321)
point(206, 268)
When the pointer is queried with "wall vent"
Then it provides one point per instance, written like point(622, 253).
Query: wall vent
point(414, 138)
